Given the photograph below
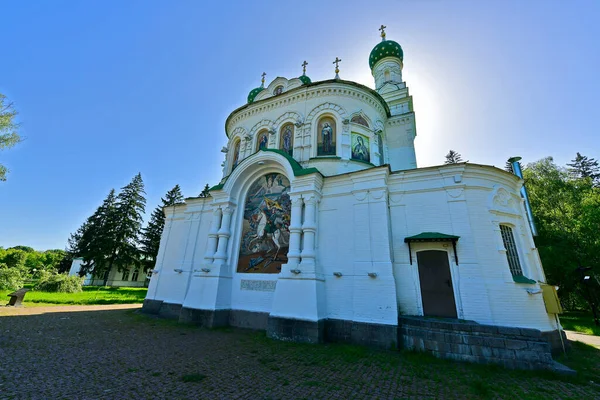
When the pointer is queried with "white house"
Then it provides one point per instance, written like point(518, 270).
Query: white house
point(131, 278)
point(323, 226)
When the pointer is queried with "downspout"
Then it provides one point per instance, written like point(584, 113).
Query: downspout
point(517, 171)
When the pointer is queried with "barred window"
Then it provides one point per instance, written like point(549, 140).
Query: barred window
point(126, 275)
point(511, 250)
point(136, 274)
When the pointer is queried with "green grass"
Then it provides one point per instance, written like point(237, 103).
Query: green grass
point(90, 295)
point(579, 322)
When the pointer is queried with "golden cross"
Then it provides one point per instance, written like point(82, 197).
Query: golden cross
point(263, 78)
point(304, 64)
point(336, 62)
point(382, 29)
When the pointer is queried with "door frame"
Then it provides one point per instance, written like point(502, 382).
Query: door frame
point(454, 274)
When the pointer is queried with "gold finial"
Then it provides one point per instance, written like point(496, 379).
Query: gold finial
point(337, 69)
point(263, 79)
point(382, 29)
point(304, 64)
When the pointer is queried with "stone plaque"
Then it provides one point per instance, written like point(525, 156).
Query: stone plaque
point(259, 286)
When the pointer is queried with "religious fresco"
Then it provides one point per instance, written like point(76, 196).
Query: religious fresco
point(286, 140)
point(360, 148)
point(326, 131)
point(262, 141)
point(265, 228)
point(236, 154)
point(359, 119)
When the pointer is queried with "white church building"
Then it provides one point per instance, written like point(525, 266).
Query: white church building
point(323, 228)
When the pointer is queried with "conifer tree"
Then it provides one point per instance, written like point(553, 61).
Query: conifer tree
point(453, 157)
point(151, 234)
point(584, 167)
point(205, 192)
point(93, 240)
point(130, 205)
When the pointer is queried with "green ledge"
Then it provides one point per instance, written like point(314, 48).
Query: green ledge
point(522, 279)
point(325, 158)
point(363, 162)
point(296, 167)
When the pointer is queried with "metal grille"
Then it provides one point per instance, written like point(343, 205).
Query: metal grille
point(126, 275)
point(511, 250)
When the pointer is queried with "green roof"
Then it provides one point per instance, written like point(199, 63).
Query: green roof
point(387, 48)
point(253, 93)
point(431, 237)
point(305, 79)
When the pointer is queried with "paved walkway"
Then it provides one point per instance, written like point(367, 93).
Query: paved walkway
point(112, 352)
point(587, 339)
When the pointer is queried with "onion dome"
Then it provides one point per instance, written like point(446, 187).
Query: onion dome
point(385, 48)
point(305, 79)
point(253, 93)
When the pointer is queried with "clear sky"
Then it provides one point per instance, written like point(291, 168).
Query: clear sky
point(106, 89)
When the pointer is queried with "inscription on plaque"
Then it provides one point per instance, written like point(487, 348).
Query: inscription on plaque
point(259, 286)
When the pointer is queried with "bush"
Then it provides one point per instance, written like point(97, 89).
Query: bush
point(62, 283)
point(11, 278)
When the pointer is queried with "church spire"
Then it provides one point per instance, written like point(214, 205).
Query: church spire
point(337, 69)
point(262, 84)
point(304, 64)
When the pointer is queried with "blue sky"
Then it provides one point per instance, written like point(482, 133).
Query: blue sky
point(106, 89)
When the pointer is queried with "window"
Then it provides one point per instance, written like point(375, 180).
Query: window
point(511, 250)
point(380, 147)
point(236, 154)
point(126, 275)
point(278, 90)
point(135, 275)
point(326, 131)
point(286, 139)
point(387, 76)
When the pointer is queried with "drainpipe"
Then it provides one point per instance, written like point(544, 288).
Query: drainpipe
point(517, 171)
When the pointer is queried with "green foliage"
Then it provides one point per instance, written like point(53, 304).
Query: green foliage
point(90, 295)
point(9, 135)
point(567, 213)
point(583, 167)
point(579, 322)
point(453, 157)
point(151, 234)
point(11, 278)
point(61, 283)
point(205, 192)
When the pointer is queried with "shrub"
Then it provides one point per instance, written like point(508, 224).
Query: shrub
point(11, 278)
point(60, 283)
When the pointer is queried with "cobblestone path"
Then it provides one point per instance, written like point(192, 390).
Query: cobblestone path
point(113, 352)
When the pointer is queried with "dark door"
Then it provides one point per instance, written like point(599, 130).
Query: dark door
point(436, 284)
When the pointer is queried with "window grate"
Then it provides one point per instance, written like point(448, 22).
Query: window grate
point(511, 250)
point(136, 274)
point(126, 275)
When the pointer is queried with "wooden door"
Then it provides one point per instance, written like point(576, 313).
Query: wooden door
point(436, 284)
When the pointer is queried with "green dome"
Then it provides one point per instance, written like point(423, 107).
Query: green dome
point(253, 93)
point(305, 79)
point(387, 48)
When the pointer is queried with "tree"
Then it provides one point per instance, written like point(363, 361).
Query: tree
point(205, 192)
point(9, 135)
point(123, 251)
point(453, 157)
point(151, 234)
point(567, 214)
point(584, 167)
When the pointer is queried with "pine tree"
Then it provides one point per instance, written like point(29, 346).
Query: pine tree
point(453, 157)
point(151, 234)
point(205, 192)
point(584, 167)
point(94, 239)
point(129, 208)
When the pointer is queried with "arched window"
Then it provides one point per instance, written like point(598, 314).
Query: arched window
point(265, 230)
point(286, 139)
point(236, 154)
point(326, 132)
point(380, 148)
point(278, 90)
point(387, 76)
point(262, 140)
point(360, 148)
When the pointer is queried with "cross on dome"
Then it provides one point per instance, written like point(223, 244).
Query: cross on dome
point(304, 64)
point(382, 29)
point(263, 79)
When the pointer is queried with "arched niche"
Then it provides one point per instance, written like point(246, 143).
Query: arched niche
point(286, 138)
point(326, 135)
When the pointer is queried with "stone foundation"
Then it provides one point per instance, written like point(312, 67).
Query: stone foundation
point(515, 348)
point(206, 318)
point(151, 306)
point(296, 330)
point(556, 345)
point(372, 335)
point(249, 319)
point(169, 310)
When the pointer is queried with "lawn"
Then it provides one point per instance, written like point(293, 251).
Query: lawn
point(90, 295)
point(579, 322)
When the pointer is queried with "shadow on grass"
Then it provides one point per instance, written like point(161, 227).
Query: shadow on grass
point(580, 322)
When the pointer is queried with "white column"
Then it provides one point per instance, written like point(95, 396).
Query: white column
point(213, 237)
point(224, 233)
point(309, 230)
point(295, 232)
